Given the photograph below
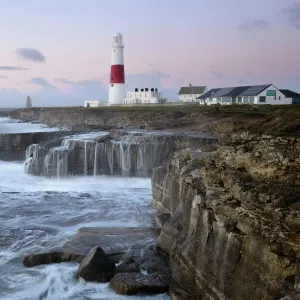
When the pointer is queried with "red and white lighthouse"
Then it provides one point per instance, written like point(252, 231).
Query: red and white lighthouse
point(117, 74)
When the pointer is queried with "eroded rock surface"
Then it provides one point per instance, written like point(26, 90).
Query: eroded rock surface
point(234, 226)
point(96, 266)
point(135, 283)
point(114, 241)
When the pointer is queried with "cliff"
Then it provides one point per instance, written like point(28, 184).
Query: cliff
point(233, 218)
point(267, 119)
point(13, 145)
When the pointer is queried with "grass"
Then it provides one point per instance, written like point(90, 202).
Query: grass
point(267, 119)
point(212, 109)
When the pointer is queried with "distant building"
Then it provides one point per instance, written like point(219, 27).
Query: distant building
point(144, 96)
point(256, 94)
point(28, 102)
point(293, 96)
point(93, 103)
point(191, 93)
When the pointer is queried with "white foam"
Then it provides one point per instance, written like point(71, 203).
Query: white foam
point(8, 125)
point(37, 214)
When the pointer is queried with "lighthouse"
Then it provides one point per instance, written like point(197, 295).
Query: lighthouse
point(117, 74)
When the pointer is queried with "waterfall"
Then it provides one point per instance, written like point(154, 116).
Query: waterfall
point(125, 158)
point(95, 159)
point(130, 154)
point(56, 163)
point(85, 159)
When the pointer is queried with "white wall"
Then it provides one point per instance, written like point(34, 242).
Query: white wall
point(92, 103)
point(188, 97)
point(271, 99)
point(143, 97)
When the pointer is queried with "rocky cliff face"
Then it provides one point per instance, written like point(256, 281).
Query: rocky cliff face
point(118, 152)
point(13, 145)
point(233, 230)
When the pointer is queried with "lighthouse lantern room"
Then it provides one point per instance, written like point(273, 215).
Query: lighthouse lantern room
point(117, 73)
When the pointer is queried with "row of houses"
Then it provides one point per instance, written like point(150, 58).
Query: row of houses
point(256, 94)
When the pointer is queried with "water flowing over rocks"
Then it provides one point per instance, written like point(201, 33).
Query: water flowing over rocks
point(126, 153)
point(13, 145)
point(233, 231)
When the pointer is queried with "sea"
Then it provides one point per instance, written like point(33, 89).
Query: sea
point(37, 214)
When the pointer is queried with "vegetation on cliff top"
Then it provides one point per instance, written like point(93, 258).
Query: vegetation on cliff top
point(279, 120)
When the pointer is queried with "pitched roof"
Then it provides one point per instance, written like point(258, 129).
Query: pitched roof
point(254, 90)
point(290, 94)
point(223, 91)
point(185, 90)
point(208, 94)
point(237, 91)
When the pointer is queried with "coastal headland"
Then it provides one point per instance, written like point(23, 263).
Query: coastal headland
point(228, 222)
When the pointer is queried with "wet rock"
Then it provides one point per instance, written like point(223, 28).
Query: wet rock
point(147, 258)
point(96, 266)
point(41, 258)
point(134, 283)
point(32, 260)
point(127, 268)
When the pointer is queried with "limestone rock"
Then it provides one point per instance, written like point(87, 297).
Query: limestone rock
point(134, 283)
point(32, 260)
point(96, 266)
point(233, 231)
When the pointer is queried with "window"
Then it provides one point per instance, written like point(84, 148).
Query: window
point(251, 99)
point(240, 99)
point(246, 99)
point(262, 99)
point(271, 93)
point(279, 98)
point(112, 85)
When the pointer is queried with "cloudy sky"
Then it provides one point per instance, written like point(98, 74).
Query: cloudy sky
point(59, 51)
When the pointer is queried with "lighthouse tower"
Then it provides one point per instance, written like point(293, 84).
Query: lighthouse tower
point(117, 74)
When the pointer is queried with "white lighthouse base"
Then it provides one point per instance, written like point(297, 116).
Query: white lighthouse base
point(116, 94)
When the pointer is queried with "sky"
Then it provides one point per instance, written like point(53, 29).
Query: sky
point(59, 52)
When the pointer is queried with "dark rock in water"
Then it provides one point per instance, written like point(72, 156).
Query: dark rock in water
point(113, 241)
point(147, 258)
point(41, 258)
point(32, 260)
point(135, 283)
point(127, 268)
point(96, 266)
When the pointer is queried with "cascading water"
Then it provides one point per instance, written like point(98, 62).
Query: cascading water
point(132, 154)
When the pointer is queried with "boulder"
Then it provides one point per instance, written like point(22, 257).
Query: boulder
point(96, 266)
point(147, 258)
point(135, 283)
point(33, 260)
point(127, 268)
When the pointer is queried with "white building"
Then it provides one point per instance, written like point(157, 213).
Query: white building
point(256, 94)
point(144, 96)
point(191, 93)
point(93, 103)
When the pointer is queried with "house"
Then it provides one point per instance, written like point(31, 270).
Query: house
point(190, 93)
point(256, 94)
point(294, 97)
point(144, 96)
